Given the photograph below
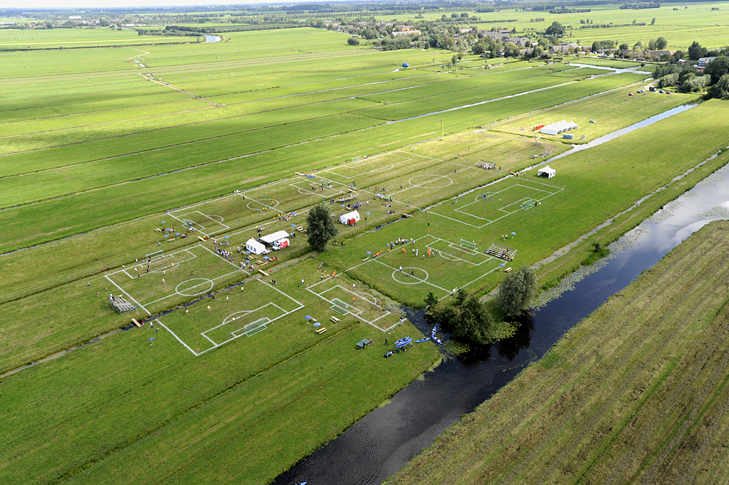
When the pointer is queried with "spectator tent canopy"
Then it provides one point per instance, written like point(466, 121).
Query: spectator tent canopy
point(350, 218)
point(558, 127)
point(272, 238)
point(547, 171)
point(255, 247)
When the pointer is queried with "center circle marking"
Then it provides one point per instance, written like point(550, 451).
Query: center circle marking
point(430, 181)
point(419, 276)
point(189, 290)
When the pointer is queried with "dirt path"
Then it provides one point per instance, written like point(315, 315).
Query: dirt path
point(168, 85)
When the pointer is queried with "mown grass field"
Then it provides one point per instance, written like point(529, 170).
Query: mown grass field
point(11, 39)
point(634, 393)
point(144, 157)
point(96, 157)
point(281, 392)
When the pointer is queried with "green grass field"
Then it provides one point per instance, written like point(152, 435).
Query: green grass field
point(98, 160)
point(635, 392)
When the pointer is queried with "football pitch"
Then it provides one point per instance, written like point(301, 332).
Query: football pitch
point(490, 204)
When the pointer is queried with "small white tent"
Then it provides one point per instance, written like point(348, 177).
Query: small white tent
point(350, 218)
point(255, 247)
point(547, 171)
point(558, 127)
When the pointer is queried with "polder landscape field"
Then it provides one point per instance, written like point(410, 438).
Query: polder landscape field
point(137, 166)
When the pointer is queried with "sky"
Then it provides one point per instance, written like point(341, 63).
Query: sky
point(60, 4)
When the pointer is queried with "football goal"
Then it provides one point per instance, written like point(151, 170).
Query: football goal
point(528, 204)
point(468, 244)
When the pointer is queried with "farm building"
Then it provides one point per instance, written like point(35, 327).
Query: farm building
point(558, 127)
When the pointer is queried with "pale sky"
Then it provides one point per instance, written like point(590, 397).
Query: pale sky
point(60, 4)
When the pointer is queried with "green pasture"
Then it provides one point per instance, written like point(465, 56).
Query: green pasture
point(12, 39)
point(597, 61)
point(208, 176)
point(590, 197)
point(272, 381)
point(86, 183)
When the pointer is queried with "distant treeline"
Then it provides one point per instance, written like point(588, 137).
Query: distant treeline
point(185, 30)
point(608, 26)
point(568, 10)
point(640, 5)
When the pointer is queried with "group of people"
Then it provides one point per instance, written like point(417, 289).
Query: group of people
point(284, 217)
point(489, 166)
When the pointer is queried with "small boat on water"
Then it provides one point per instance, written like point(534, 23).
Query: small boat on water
point(435, 339)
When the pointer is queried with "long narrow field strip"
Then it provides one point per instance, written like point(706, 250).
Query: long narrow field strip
point(637, 393)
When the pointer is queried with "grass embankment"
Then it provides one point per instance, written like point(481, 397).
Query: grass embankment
point(637, 392)
point(122, 408)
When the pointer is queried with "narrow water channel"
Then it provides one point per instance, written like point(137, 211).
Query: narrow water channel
point(382, 442)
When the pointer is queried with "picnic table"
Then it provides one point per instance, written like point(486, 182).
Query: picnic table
point(363, 343)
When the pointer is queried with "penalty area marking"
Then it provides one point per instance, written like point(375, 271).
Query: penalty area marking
point(431, 181)
point(263, 202)
point(234, 315)
point(407, 278)
point(203, 282)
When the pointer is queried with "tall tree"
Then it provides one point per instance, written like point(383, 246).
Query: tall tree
point(556, 29)
point(661, 43)
point(717, 68)
point(321, 227)
point(695, 51)
point(517, 291)
point(474, 322)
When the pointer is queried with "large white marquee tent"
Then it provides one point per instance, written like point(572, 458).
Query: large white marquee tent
point(547, 171)
point(558, 127)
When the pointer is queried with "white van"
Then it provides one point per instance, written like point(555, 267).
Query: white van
point(255, 247)
point(280, 244)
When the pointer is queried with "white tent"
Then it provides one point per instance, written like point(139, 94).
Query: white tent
point(349, 218)
point(255, 247)
point(271, 238)
point(549, 172)
point(558, 127)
